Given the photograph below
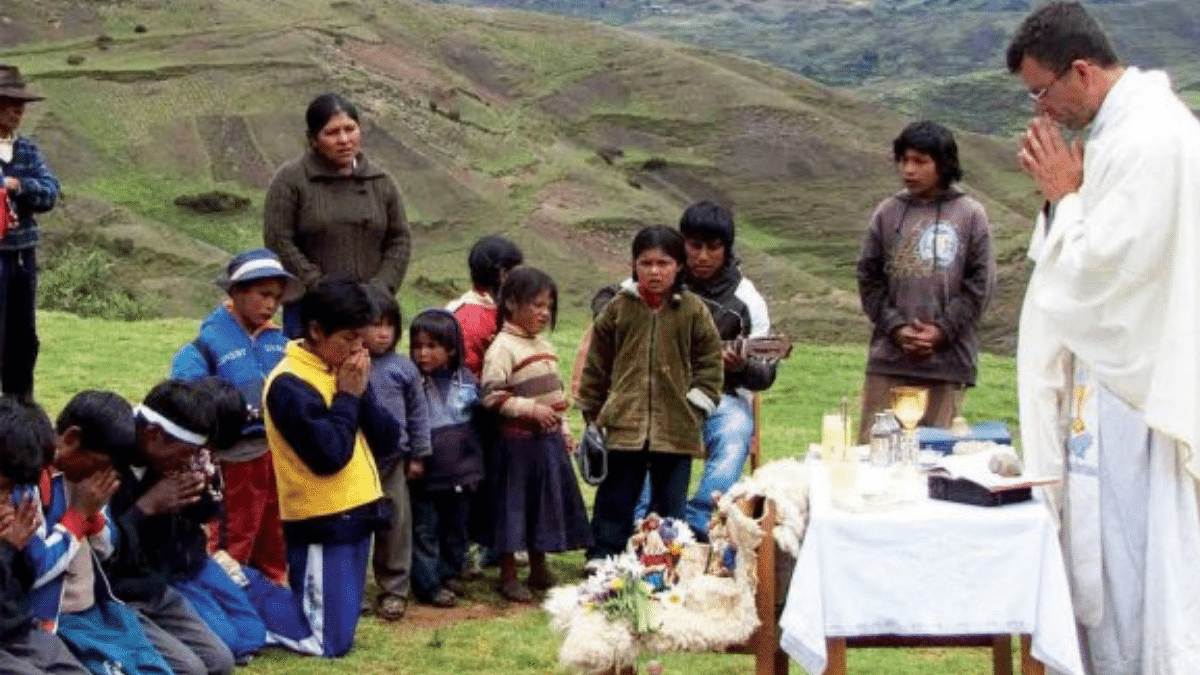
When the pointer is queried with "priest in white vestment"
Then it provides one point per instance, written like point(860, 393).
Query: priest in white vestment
point(1109, 349)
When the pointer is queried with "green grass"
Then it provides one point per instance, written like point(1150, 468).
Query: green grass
point(129, 358)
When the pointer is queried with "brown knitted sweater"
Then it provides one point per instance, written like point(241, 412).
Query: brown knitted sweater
point(320, 222)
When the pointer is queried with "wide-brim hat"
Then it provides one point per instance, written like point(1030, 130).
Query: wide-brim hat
point(257, 264)
point(12, 85)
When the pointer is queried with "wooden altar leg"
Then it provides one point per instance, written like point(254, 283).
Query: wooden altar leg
point(835, 652)
point(769, 659)
point(1002, 663)
point(1029, 665)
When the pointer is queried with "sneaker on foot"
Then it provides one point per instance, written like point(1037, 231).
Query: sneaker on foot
point(516, 592)
point(544, 581)
point(522, 558)
point(443, 598)
point(453, 585)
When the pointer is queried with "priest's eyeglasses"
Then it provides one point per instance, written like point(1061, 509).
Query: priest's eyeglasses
point(1038, 94)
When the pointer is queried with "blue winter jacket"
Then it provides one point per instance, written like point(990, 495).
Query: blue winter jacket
point(226, 350)
point(54, 546)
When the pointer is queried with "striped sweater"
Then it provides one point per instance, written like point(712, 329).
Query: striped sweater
point(519, 371)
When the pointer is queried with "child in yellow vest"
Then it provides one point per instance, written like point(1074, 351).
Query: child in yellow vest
point(326, 431)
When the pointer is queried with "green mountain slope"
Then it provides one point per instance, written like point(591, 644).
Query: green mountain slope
point(930, 58)
point(566, 136)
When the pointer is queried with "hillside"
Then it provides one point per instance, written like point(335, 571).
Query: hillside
point(929, 58)
point(567, 144)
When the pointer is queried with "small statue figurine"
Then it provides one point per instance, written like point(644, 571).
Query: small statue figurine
point(654, 554)
point(723, 558)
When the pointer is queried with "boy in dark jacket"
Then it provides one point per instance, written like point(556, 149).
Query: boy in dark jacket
point(397, 385)
point(160, 508)
point(442, 496)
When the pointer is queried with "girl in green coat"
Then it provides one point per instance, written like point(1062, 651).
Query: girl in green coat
point(653, 373)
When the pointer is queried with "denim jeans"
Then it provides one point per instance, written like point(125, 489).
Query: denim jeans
point(439, 538)
point(727, 433)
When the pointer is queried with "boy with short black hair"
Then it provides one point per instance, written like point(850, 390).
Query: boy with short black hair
point(27, 647)
point(159, 508)
point(925, 275)
point(240, 343)
point(72, 592)
point(328, 434)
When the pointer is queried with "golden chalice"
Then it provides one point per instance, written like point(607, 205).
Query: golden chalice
point(908, 403)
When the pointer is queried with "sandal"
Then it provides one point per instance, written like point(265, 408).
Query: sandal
point(392, 608)
point(516, 592)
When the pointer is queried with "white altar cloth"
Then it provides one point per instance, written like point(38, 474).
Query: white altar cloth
point(928, 568)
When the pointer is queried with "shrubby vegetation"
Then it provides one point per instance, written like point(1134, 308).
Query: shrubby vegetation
point(78, 279)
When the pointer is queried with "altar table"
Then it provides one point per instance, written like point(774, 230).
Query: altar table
point(928, 568)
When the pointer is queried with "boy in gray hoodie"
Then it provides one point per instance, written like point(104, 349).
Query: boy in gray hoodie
point(924, 276)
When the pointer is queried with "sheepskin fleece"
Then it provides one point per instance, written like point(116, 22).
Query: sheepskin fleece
point(703, 613)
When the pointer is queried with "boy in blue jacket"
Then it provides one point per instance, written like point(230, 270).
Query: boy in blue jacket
point(240, 343)
point(27, 647)
point(71, 592)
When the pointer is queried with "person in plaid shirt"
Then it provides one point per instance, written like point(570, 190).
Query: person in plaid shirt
point(29, 188)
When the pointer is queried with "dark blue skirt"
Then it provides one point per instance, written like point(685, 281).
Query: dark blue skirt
point(538, 504)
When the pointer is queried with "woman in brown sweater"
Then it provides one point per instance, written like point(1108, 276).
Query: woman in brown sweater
point(331, 211)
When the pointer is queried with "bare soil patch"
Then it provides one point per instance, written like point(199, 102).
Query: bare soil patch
point(425, 616)
point(774, 144)
point(481, 68)
point(395, 62)
point(235, 157)
point(577, 98)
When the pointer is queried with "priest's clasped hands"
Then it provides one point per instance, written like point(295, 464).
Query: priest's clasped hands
point(1055, 165)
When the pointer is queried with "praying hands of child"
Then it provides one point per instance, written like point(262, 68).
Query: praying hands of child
point(92, 493)
point(172, 492)
point(19, 523)
point(352, 377)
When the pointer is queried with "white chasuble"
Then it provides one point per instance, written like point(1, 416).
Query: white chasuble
point(1113, 305)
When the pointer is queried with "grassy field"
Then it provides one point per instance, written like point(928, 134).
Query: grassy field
point(129, 358)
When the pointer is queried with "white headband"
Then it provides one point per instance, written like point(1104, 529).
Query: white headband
point(252, 265)
point(176, 431)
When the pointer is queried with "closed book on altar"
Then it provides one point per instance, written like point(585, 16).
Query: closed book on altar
point(967, 491)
